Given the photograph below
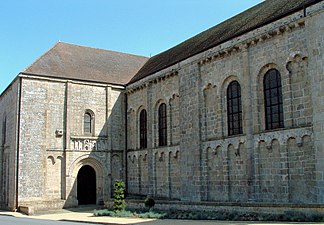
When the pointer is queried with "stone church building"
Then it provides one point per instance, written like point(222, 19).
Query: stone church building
point(232, 116)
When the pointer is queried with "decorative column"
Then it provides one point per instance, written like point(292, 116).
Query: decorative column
point(150, 142)
point(190, 162)
point(66, 142)
point(170, 123)
point(314, 32)
point(248, 120)
point(108, 178)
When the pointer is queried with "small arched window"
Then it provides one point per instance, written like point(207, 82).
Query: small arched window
point(273, 100)
point(234, 109)
point(88, 123)
point(143, 129)
point(162, 125)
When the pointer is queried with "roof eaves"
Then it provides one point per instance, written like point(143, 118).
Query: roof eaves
point(69, 78)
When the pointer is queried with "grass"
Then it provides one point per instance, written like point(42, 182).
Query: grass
point(130, 214)
point(216, 215)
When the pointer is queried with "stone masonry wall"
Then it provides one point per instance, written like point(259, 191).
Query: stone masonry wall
point(8, 141)
point(315, 47)
point(144, 176)
point(54, 146)
point(278, 166)
point(201, 162)
point(32, 140)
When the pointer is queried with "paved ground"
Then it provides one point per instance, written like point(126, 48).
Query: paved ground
point(10, 220)
point(85, 215)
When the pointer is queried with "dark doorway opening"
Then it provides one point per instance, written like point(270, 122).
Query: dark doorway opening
point(86, 186)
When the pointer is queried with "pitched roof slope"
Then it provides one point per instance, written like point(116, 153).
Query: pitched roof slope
point(88, 64)
point(255, 17)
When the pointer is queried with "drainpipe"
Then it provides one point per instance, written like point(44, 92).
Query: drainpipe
point(18, 140)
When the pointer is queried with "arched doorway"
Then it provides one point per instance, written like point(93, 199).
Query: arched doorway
point(86, 186)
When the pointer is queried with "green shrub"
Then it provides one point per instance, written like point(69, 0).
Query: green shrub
point(106, 212)
point(127, 214)
point(119, 196)
point(149, 202)
point(152, 215)
point(218, 215)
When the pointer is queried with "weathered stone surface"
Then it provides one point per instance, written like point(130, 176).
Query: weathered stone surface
point(42, 120)
point(280, 166)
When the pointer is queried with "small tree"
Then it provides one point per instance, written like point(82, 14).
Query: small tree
point(119, 196)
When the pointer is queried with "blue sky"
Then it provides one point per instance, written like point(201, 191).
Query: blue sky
point(28, 28)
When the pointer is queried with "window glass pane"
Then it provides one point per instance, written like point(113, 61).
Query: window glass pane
point(275, 110)
point(275, 125)
point(234, 103)
point(273, 83)
point(87, 128)
point(234, 92)
point(229, 94)
point(274, 93)
point(274, 101)
point(87, 118)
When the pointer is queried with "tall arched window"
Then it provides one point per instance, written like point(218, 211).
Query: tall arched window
point(143, 129)
point(273, 100)
point(162, 125)
point(4, 130)
point(88, 123)
point(234, 109)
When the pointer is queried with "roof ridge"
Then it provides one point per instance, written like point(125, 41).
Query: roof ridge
point(78, 62)
point(235, 26)
point(213, 27)
point(101, 49)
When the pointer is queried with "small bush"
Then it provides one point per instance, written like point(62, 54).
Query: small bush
point(119, 196)
point(149, 202)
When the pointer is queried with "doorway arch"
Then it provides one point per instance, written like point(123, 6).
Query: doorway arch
point(86, 185)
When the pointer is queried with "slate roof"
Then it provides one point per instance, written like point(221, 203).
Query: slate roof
point(257, 16)
point(70, 61)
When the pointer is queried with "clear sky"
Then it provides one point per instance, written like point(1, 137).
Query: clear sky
point(28, 28)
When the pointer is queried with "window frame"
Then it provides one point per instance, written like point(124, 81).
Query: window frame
point(273, 100)
point(143, 129)
point(88, 126)
point(234, 109)
point(162, 125)
point(4, 131)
